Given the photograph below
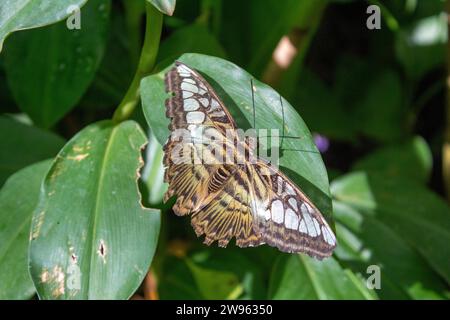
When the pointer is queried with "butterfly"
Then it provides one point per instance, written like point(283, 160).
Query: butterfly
point(251, 201)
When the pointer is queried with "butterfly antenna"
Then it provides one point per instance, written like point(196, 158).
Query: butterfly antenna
point(282, 128)
point(253, 104)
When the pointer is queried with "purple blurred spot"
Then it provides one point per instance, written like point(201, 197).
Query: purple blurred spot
point(322, 142)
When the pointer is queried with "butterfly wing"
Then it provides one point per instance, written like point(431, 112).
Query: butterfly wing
point(228, 213)
point(284, 215)
point(190, 160)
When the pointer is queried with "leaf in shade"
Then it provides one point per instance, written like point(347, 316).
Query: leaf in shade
point(24, 145)
point(193, 38)
point(18, 198)
point(365, 241)
point(49, 69)
point(414, 213)
point(89, 226)
point(411, 159)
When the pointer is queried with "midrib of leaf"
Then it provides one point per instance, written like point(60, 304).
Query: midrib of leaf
point(358, 284)
point(97, 200)
point(319, 292)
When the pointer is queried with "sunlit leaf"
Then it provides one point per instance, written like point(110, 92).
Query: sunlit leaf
point(302, 277)
point(91, 237)
point(23, 14)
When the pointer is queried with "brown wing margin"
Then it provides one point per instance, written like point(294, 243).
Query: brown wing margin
point(285, 217)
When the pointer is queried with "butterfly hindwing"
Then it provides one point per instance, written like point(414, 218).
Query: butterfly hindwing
point(286, 218)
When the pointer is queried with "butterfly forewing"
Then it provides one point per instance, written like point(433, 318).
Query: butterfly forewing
point(252, 201)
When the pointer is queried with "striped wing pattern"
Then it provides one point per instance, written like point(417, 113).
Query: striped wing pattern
point(252, 202)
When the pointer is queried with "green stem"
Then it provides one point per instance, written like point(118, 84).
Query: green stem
point(146, 63)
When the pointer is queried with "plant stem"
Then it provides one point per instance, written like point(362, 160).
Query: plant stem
point(446, 144)
point(146, 63)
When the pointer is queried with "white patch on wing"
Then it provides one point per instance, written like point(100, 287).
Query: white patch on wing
point(304, 209)
point(189, 87)
point(190, 105)
point(293, 203)
point(310, 225)
point(328, 236)
point(302, 227)
point(291, 220)
point(279, 185)
point(277, 211)
point(214, 104)
point(204, 102)
point(316, 226)
point(289, 189)
point(195, 117)
point(187, 94)
point(189, 80)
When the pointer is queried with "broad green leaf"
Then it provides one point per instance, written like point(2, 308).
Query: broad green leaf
point(193, 38)
point(49, 69)
point(112, 79)
point(411, 159)
point(153, 172)
point(91, 238)
point(299, 158)
point(420, 47)
point(314, 99)
point(417, 215)
point(381, 113)
point(302, 277)
point(165, 6)
point(22, 145)
point(212, 273)
point(18, 198)
point(375, 243)
point(25, 14)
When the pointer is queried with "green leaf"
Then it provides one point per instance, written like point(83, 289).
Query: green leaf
point(193, 38)
point(89, 221)
point(212, 273)
point(376, 243)
point(25, 145)
point(260, 25)
point(421, 46)
point(49, 69)
point(419, 216)
point(165, 6)
point(312, 95)
point(381, 113)
point(18, 198)
point(302, 277)
point(153, 172)
point(232, 84)
point(411, 159)
point(24, 14)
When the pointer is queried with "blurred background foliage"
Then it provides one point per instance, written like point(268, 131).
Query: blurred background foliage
point(375, 100)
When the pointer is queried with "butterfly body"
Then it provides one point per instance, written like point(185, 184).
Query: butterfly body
point(218, 179)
